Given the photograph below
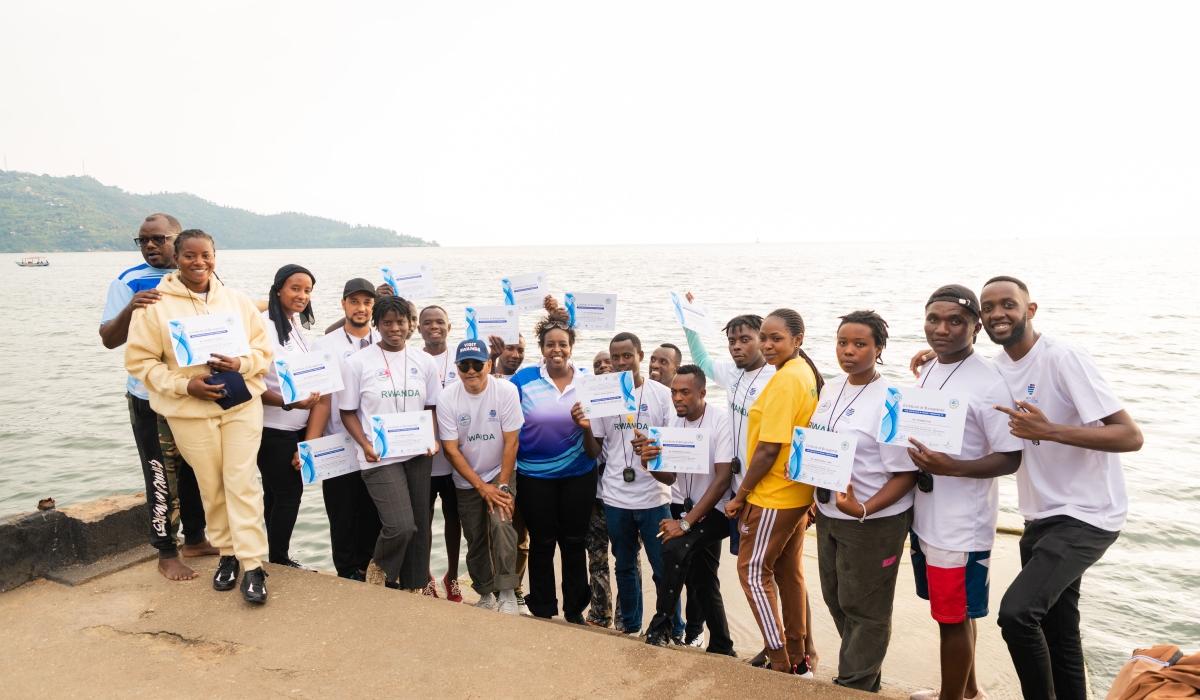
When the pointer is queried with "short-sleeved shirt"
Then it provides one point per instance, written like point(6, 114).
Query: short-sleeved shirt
point(447, 374)
point(1062, 380)
point(296, 346)
point(787, 401)
point(377, 382)
point(720, 451)
point(960, 514)
point(477, 422)
point(858, 410)
point(551, 444)
point(341, 345)
point(655, 410)
point(120, 293)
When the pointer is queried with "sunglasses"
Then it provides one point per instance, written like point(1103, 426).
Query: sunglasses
point(470, 366)
point(143, 241)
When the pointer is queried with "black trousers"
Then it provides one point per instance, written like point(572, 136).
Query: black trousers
point(1039, 614)
point(282, 489)
point(693, 614)
point(353, 522)
point(158, 472)
point(556, 512)
point(694, 559)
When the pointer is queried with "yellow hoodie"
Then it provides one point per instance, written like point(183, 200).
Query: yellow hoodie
point(149, 357)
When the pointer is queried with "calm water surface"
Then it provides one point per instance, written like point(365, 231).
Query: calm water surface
point(64, 428)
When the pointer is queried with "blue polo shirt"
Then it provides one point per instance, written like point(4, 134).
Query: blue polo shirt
point(120, 293)
point(550, 445)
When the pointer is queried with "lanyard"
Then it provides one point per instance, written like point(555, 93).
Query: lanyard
point(300, 340)
point(833, 428)
point(362, 342)
point(737, 428)
point(943, 386)
point(624, 452)
point(393, 381)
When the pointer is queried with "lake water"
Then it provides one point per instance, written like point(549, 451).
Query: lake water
point(64, 428)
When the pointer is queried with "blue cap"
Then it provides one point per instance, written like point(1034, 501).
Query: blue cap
point(471, 350)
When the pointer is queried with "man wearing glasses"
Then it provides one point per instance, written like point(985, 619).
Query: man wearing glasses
point(479, 419)
point(172, 494)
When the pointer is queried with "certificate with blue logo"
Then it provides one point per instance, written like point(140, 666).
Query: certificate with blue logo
point(935, 417)
point(301, 375)
point(592, 312)
point(401, 434)
point(411, 280)
point(196, 338)
point(485, 321)
point(606, 394)
point(327, 457)
point(821, 458)
point(684, 450)
point(693, 315)
point(525, 292)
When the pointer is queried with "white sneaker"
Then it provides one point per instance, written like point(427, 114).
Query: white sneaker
point(487, 602)
point(697, 641)
point(508, 602)
point(926, 695)
point(521, 609)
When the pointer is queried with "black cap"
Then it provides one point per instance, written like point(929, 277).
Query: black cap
point(957, 294)
point(358, 284)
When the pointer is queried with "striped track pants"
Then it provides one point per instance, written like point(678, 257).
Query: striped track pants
point(770, 567)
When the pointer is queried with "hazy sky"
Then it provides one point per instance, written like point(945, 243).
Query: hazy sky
point(575, 122)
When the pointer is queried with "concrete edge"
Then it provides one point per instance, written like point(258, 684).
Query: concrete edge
point(83, 573)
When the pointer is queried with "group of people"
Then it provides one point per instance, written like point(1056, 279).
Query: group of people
point(521, 471)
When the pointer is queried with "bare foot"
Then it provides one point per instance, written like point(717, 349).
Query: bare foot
point(204, 549)
point(813, 658)
point(175, 570)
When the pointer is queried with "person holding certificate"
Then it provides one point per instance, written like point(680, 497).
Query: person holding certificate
point(773, 511)
point(954, 519)
point(379, 381)
point(692, 536)
point(217, 419)
point(869, 521)
point(556, 472)
point(284, 422)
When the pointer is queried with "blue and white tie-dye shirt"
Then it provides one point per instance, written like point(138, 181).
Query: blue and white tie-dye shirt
point(551, 444)
point(120, 293)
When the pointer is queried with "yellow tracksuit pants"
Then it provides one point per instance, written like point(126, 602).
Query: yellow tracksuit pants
point(222, 451)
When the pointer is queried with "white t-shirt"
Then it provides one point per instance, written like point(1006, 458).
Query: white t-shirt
point(478, 423)
point(341, 345)
point(720, 451)
point(644, 491)
point(1062, 380)
point(404, 381)
point(858, 411)
point(447, 374)
point(296, 345)
point(742, 389)
point(960, 514)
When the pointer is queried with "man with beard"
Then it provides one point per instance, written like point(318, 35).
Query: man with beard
point(506, 358)
point(664, 362)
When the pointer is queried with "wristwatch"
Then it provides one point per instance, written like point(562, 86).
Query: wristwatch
point(685, 526)
point(505, 489)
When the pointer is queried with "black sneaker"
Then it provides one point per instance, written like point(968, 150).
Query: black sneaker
point(802, 669)
point(254, 586)
point(575, 618)
point(394, 585)
point(357, 576)
point(677, 640)
point(227, 572)
point(658, 638)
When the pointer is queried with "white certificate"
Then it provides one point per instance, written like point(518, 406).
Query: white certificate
point(592, 312)
point(684, 450)
point(525, 292)
point(411, 280)
point(935, 417)
point(402, 434)
point(301, 375)
point(606, 394)
point(693, 315)
point(821, 458)
point(197, 338)
point(327, 457)
point(484, 321)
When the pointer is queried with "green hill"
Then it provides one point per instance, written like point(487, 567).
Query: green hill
point(42, 214)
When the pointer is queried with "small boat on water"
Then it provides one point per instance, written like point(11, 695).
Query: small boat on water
point(33, 261)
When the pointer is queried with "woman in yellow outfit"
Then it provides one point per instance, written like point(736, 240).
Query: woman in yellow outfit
point(774, 511)
point(220, 444)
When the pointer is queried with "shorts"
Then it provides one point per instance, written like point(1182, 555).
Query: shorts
point(954, 583)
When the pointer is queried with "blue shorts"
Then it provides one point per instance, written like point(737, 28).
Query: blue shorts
point(954, 583)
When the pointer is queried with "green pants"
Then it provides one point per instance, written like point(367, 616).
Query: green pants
point(858, 565)
point(491, 542)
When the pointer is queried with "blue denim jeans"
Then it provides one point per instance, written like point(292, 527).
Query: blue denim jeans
point(623, 528)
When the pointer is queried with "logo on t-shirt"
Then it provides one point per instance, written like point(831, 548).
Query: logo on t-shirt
point(464, 419)
point(849, 412)
point(753, 391)
point(1029, 392)
point(824, 406)
point(412, 370)
point(492, 416)
point(645, 408)
point(381, 374)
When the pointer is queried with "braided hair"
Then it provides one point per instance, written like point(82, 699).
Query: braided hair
point(395, 304)
point(795, 325)
point(872, 320)
point(752, 321)
point(190, 234)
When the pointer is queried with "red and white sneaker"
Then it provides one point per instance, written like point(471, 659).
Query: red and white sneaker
point(453, 594)
point(430, 589)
